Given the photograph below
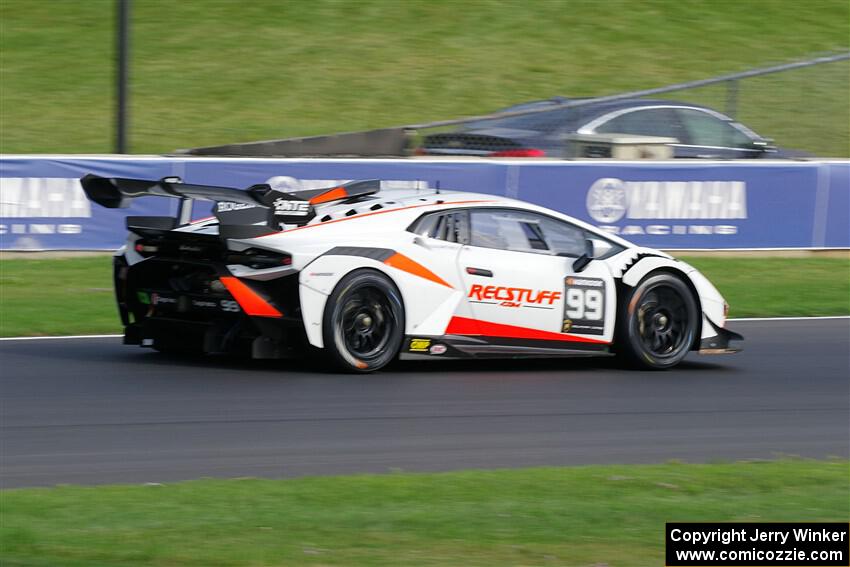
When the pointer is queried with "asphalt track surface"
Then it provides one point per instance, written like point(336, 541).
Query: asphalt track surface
point(90, 411)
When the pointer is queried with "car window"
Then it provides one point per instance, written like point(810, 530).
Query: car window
point(705, 129)
point(650, 122)
point(425, 225)
point(521, 231)
point(451, 226)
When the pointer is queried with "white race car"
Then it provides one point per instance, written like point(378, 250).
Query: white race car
point(367, 275)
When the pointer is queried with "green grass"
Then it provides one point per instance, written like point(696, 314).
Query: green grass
point(74, 295)
point(215, 72)
point(775, 287)
point(595, 515)
point(57, 297)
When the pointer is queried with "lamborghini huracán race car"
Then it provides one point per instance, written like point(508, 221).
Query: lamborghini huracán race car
point(370, 275)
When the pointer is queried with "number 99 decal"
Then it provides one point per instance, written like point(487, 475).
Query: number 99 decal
point(584, 306)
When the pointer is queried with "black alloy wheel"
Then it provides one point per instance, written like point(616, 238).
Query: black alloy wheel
point(363, 325)
point(659, 322)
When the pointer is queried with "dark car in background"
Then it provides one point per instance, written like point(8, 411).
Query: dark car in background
point(701, 132)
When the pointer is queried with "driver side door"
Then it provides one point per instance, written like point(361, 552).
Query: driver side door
point(520, 284)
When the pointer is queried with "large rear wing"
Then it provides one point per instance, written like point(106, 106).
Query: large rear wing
point(242, 213)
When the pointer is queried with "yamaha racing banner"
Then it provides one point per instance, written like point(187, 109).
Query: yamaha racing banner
point(43, 206)
point(721, 205)
point(662, 204)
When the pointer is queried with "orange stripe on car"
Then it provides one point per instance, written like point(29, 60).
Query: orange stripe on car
point(330, 195)
point(405, 264)
point(248, 299)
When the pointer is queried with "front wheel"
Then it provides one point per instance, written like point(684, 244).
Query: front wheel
point(658, 323)
point(363, 325)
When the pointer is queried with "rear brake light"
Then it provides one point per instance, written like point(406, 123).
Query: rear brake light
point(145, 249)
point(525, 152)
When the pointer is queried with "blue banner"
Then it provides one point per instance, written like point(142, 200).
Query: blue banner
point(669, 205)
point(681, 206)
point(43, 207)
point(832, 228)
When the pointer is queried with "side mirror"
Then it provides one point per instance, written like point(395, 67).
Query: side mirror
point(582, 261)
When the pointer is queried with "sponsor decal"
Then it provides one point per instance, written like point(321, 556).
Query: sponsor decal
point(587, 282)
point(584, 306)
point(227, 206)
point(438, 349)
point(513, 296)
point(670, 206)
point(419, 345)
point(182, 302)
point(157, 299)
point(229, 305)
point(291, 208)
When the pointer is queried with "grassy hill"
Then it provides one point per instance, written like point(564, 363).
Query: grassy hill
point(209, 72)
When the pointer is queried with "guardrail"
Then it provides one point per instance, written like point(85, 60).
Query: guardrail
point(663, 204)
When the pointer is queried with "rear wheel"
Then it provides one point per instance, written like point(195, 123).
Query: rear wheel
point(363, 325)
point(658, 324)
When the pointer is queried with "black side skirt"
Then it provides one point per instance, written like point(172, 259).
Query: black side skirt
point(463, 346)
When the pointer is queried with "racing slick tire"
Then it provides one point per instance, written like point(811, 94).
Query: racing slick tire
point(658, 323)
point(363, 323)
